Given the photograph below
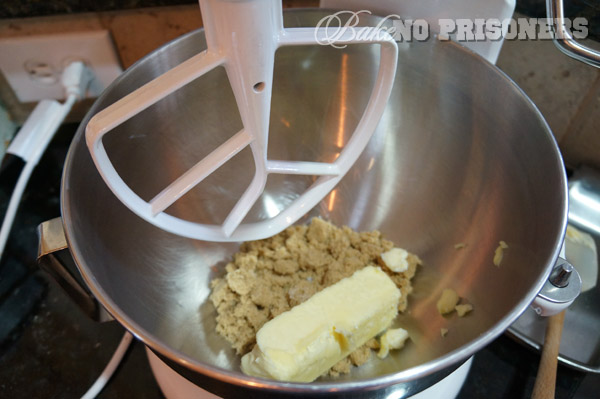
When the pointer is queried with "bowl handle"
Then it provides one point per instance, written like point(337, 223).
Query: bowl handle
point(55, 259)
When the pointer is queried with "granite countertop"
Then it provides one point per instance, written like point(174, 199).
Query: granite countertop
point(36, 8)
point(50, 349)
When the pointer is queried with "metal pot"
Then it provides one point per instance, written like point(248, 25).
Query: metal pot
point(460, 155)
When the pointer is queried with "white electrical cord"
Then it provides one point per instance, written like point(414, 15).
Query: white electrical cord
point(41, 126)
point(75, 79)
point(110, 367)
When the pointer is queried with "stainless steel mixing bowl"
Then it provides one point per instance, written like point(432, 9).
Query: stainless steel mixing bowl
point(460, 155)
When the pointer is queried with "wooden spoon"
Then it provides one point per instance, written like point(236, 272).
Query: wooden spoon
point(545, 382)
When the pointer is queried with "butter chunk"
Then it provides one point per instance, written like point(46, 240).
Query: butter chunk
point(499, 253)
point(396, 259)
point(303, 343)
point(447, 301)
point(463, 309)
point(392, 339)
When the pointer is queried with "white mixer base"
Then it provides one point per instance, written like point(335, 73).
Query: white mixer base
point(174, 386)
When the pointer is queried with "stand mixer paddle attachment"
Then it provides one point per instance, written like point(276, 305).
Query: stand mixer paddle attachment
point(242, 36)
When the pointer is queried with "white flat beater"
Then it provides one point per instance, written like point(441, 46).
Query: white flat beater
point(242, 36)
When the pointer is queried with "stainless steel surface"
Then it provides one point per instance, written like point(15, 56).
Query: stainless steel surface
point(564, 40)
point(561, 294)
point(461, 155)
point(580, 343)
point(584, 200)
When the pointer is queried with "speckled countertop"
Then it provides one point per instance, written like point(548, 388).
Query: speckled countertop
point(35, 8)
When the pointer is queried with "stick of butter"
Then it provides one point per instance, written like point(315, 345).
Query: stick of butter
point(301, 344)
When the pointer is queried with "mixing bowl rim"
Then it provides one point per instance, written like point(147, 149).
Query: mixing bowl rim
point(238, 378)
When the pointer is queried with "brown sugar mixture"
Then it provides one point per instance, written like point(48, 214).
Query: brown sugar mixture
point(270, 276)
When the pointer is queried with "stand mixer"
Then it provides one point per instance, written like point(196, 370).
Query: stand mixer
point(129, 264)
